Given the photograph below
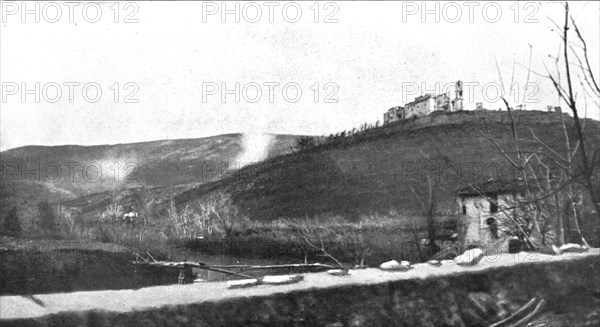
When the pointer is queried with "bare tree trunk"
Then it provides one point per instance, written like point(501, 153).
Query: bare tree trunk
point(560, 228)
point(570, 172)
point(576, 222)
point(588, 169)
point(433, 248)
point(567, 95)
point(521, 165)
point(415, 232)
point(429, 206)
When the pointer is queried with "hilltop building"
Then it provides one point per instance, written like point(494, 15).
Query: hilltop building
point(393, 114)
point(484, 208)
point(420, 106)
point(426, 104)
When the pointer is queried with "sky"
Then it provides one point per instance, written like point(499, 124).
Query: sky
point(171, 70)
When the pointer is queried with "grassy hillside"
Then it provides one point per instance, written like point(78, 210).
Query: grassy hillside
point(170, 162)
point(91, 174)
point(373, 172)
point(367, 179)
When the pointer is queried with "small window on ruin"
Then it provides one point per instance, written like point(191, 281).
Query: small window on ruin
point(494, 205)
point(464, 209)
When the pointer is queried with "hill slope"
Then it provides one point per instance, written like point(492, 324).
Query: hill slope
point(56, 173)
point(374, 172)
point(170, 162)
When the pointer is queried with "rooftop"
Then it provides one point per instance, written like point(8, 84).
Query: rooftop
point(421, 98)
point(493, 186)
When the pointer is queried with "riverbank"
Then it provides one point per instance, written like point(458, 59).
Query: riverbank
point(51, 266)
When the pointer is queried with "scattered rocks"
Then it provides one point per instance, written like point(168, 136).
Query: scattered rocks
point(555, 250)
point(242, 283)
point(573, 248)
point(470, 257)
point(338, 272)
point(435, 263)
point(394, 265)
point(448, 262)
point(566, 248)
point(267, 280)
point(550, 250)
point(282, 279)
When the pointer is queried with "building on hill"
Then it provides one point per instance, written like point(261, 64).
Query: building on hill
point(443, 102)
point(479, 106)
point(420, 106)
point(426, 104)
point(551, 108)
point(457, 102)
point(484, 208)
point(393, 114)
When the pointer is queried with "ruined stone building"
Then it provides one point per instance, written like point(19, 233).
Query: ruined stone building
point(457, 102)
point(426, 104)
point(393, 114)
point(485, 209)
point(551, 108)
point(421, 106)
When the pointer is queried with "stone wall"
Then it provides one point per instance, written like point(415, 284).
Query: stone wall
point(450, 295)
point(420, 108)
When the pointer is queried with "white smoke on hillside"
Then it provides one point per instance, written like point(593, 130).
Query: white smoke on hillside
point(255, 148)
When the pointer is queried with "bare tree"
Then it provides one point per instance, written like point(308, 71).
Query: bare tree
point(414, 229)
point(547, 173)
point(180, 220)
point(589, 158)
point(312, 234)
point(227, 214)
point(68, 216)
point(144, 204)
point(355, 241)
point(429, 206)
point(213, 215)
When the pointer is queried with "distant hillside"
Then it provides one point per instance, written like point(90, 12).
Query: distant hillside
point(56, 173)
point(373, 173)
point(362, 174)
